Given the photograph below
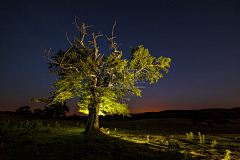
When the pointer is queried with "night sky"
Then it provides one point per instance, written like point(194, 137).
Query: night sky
point(201, 37)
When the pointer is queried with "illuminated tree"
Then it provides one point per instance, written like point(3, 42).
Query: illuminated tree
point(100, 82)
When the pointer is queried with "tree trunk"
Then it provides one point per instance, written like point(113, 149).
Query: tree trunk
point(93, 118)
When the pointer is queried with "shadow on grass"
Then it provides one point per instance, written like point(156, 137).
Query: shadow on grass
point(71, 144)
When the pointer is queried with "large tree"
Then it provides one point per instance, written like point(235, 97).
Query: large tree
point(100, 82)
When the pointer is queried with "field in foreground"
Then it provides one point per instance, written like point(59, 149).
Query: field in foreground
point(163, 139)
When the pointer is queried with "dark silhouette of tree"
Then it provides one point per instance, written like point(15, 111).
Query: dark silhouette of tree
point(38, 111)
point(24, 109)
point(56, 110)
point(100, 82)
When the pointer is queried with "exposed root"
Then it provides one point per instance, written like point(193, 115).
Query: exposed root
point(93, 132)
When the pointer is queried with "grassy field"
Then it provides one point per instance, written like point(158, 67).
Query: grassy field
point(162, 139)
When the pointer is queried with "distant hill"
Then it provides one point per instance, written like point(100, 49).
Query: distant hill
point(233, 113)
point(212, 113)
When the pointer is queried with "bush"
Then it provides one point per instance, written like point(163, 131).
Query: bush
point(82, 125)
point(48, 129)
point(57, 125)
point(190, 136)
point(202, 138)
point(227, 155)
point(214, 144)
point(5, 126)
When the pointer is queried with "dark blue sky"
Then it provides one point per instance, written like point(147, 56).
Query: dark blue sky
point(201, 37)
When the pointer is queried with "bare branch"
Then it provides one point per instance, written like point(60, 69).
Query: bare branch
point(95, 45)
point(113, 46)
point(83, 32)
point(48, 55)
point(65, 55)
point(113, 27)
point(68, 39)
point(87, 49)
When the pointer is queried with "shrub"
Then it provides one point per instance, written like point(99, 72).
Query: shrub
point(57, 125)
point(38, 123)
point(214, 144)
point(227, 156)
point(202, 138)
point(5, 126)
point(82, 125)
point(27, 123)
point(148, 138)
point(21, 124)
point(190, 136)
point(48, 129)
point(104, 130)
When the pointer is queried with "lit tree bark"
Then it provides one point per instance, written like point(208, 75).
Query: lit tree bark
point(93, 118)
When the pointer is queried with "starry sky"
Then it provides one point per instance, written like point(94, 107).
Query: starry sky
point(201, 37)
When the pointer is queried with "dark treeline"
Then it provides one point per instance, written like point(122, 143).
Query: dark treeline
point(221, 116)
point(197, 116)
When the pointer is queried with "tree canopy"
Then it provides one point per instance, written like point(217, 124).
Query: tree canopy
point(98, 81)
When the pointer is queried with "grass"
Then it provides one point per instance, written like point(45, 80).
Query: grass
point(164, 139)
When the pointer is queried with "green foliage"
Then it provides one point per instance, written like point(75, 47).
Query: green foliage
point(27, 123)
point(57, 125)
point(15, 127)
point(5, 126)
point(10, 133)
point(108, 103)
point(227, 155)
point(38, 123)
point(190, 136)
point(201, 138)
point(162, 139)
point(148, 138)
point(48, 129)
point(81, 125)
point(214, 143)
point(21, 124)
point(27, 127)
point(166, 143)
point(100, 82)
point(148, 65)
point(35, 139)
